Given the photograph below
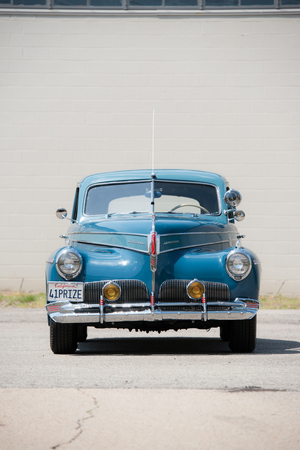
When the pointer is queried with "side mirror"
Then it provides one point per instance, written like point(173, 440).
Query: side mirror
point(61, 213)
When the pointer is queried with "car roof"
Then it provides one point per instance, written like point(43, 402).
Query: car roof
point(161, 174)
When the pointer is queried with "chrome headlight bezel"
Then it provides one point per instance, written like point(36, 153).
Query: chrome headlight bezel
point(62, 254)
point(247, 264)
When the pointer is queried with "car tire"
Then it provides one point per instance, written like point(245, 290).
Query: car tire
point(225, 333)
point(242, 337)
point(63, 337)
point(82, 333)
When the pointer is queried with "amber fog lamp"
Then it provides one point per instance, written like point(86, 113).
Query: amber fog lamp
point(195, 289)
point(111, 291)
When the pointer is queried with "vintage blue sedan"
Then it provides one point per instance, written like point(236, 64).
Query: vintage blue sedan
point(153, 252)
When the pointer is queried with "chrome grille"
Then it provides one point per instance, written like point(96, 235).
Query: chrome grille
point(175, 291)
point(216, 292)
point(132, 291)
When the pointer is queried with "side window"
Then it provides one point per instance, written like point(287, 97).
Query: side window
point(75, 206)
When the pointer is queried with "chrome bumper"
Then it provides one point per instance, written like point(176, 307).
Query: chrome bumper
point(66, 312)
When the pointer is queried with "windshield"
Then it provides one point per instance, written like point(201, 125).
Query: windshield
point(170, 197)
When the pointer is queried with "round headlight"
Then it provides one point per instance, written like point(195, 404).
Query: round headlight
point(195, 289)
point(238, 264)
point(232, 198)
point(69, 263)
point(111, 291)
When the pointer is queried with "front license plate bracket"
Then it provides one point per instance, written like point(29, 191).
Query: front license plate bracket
point(68, 291)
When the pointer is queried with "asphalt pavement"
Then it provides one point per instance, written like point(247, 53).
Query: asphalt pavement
point(123, 390)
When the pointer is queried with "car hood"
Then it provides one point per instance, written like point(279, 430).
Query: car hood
point(132, 232)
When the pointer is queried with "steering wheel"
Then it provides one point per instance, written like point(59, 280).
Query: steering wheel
point(189, 204)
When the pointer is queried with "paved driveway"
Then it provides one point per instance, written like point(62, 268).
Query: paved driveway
point(124, 390)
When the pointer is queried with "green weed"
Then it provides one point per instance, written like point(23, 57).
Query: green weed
point(22, 299)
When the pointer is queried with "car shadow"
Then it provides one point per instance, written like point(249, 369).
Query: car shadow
point(177, 346)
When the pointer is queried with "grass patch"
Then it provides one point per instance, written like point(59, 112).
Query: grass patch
point(22, 299)
point(279, 302)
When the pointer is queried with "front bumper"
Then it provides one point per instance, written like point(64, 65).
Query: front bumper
point(83, 313)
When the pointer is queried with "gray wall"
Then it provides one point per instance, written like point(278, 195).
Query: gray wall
point(77, 95)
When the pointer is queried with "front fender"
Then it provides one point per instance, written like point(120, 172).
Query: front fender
point(211, 266)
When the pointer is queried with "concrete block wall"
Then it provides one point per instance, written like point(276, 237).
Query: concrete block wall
point(76, 97)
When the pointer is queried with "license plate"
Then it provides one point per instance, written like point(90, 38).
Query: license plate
point(73, 292)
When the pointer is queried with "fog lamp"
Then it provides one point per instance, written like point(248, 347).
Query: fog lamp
point(111, 291)
point(195, 289)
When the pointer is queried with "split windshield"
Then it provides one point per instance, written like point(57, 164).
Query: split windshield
point(170, 197)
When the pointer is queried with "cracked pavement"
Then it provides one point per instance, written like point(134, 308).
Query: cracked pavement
point(136, 391)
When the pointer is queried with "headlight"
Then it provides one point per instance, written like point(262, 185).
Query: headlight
point(238, 264)
point(69, 263)
point(111, 291)
point(232, 198)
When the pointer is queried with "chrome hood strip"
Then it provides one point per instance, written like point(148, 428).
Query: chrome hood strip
point(145, 251)
point(195, 245)
point(170, 242)
point(165, 242)
point(137, 242)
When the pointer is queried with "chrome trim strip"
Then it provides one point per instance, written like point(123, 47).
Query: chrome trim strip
point(146, 235)
point(199, 232)
point(164, 304)
point(76, 318)
point(128, 305)
point(113, 246)
point(148, 316)
point(240, 303)
point(194, 245)
point(111, 232)
point(146, 251)
point(79, 239)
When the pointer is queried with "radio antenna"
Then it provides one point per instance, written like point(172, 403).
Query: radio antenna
point(153, 234)
point(153, 174)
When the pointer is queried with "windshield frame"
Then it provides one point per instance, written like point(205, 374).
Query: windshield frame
point(166, 214)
